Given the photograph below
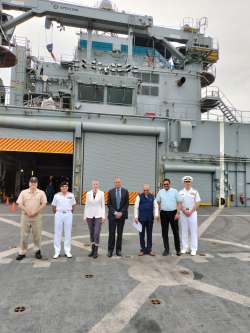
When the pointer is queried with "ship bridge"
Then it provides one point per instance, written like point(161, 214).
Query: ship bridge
point(134, 100)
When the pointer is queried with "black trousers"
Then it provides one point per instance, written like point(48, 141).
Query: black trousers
point(148, 227)
point(166, 218)
point(115, 224)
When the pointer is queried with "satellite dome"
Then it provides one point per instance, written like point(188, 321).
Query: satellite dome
point(106, 4)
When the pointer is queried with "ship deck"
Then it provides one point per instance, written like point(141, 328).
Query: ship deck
point(206, 293)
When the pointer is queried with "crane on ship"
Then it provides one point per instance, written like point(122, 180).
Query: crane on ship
point(196, 46)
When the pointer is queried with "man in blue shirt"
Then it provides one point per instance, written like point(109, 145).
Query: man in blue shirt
point(168, 201)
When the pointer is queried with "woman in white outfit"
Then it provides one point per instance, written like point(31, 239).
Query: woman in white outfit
point(189, 204)
point(94, 214)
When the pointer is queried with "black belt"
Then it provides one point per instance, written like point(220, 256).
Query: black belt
point(64, 211)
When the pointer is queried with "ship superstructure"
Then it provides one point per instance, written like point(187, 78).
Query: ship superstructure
point(133, 100)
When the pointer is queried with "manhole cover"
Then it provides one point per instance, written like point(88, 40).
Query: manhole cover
point(183, 272)
point(155, 301)
point(19, 309)
point(202, 254)
point(87, 244)
point(88, 276)
point(198, 276)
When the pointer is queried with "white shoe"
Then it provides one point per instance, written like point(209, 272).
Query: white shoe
point(193, 253)
point(68, 255)
point(183, 251)
point(56, 256)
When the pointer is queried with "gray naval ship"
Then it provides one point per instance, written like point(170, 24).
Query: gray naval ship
point(135, 100)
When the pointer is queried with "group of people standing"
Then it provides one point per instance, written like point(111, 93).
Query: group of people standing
point(168, 207)
point(173, 208)
point(94, 214)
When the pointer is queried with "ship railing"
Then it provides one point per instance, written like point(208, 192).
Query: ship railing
point(226, 100)
point(48, 58)
point(152, 111)
point(195, 26)
point(21, 41)
point(215, 92)
point(67, 57)
point(215, 44)
point(211, 69)
point(188, 24)
point(210, 91)
point(216, 115)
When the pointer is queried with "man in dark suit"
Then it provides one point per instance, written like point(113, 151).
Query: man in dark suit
point(118, 202)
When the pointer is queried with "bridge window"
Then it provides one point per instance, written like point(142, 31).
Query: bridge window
point(154, 78)
point(120, 96)
point(90, 93)
point(149, 91)
point(154, 91)
point(148, 77)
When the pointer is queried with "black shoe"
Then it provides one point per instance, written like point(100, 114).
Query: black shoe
point(20, 257)
point(110, 254)
point(95, 255)
point(178, 253)
point(38, 254)
point(165, 253)
point(92, 251)
point(118, 253)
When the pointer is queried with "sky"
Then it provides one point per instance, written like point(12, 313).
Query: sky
point(228, 23)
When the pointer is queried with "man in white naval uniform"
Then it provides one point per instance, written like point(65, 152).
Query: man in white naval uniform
point(63, 205)
point(189, 203)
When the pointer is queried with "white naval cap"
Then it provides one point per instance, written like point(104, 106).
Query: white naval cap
point(187, 179)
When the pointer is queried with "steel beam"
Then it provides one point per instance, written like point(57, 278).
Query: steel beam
point(97, 19)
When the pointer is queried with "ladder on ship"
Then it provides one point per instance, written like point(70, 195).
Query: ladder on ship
point(213, 98)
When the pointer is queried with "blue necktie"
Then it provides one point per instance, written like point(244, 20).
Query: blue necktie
point(118, 198)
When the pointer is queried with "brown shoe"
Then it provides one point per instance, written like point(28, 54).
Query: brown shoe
point(141, 253)
point(152, 254)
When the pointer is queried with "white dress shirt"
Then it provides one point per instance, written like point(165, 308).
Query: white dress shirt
point(94, 207)
point(136, 208)
point(189, 199)
point(64, 202)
